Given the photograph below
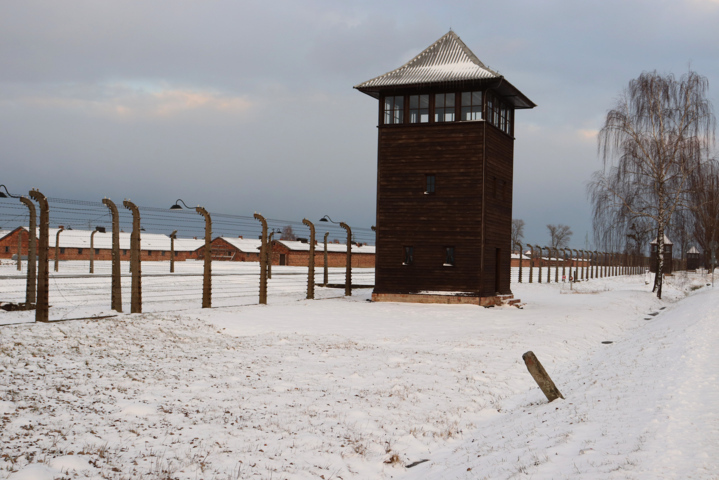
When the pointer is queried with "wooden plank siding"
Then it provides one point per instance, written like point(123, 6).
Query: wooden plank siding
point(498, 211)
point(452, 216)
point(406, 216)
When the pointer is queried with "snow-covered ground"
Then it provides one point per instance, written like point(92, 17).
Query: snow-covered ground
point(343, 388)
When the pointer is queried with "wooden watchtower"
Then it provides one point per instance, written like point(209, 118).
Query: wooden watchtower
point(668, 254)
point(444, 177)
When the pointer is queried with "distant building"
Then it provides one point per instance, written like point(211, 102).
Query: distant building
point(694, 259)
point(290, 252)
point(444, 177)
point(75, 245)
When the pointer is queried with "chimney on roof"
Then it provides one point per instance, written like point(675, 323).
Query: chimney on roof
point(239, 236)
point(195, 238)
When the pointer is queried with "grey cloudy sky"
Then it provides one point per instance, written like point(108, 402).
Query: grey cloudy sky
point(248, 106)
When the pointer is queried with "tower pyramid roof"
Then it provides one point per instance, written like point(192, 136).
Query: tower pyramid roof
point(446, 61)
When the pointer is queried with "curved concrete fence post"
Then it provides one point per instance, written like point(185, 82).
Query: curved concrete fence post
point(326, 272)
point(116, 302)
point(520, 261)
point(207, 271)
point(531, 262)
point(348, 267)
point(42, 307)
point(57, 247)
point(263, 260)
point(135, 260)
point(311, 262)
point(31, 255)
point(173, 235)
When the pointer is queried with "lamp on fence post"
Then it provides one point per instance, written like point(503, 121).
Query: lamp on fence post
point(173, 235)
point(31, 254)
point(263, 260)
point(517, 244)
point(348, 261)
point(326, 272)
point(42, 313)
point(531, 262)
point(116, 303)
point(311, 262)
point(135, 260)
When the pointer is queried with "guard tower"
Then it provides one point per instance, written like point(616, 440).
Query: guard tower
point(444, 177)
point(694, 260)
point(668, 253)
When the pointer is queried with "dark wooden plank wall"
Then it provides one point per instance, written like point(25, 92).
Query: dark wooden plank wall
point(498, 212)
point(406, 216)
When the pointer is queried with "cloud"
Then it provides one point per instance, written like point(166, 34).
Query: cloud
point(128, 102)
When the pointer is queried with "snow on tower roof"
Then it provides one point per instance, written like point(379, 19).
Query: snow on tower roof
point(693, 250)
point(447, 60)
point(666, 241)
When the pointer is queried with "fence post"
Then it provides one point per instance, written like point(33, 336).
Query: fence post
point(539, 277)
point(172, 251)
point(549, 264)
point(135, 260)
point(263, 260)
point(326, 272)
point(520, 260)
point(92, 251)
point(116, 303)
point(57, 247)
point(311, 262)
point(19, 250)
point(42, 313)
point(531, 262)
point(348, 267)
point(270, 237)
point(207, 273)
point(31, 255)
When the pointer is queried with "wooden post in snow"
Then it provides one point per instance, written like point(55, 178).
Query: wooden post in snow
point(541, 377)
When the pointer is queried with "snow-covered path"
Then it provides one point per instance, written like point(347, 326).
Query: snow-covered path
point(645, 407)
point(344, 388)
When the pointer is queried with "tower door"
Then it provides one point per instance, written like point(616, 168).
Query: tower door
point(497, 269)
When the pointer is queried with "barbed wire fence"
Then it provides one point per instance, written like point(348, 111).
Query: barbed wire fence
point(79, 256)
point(87, 273)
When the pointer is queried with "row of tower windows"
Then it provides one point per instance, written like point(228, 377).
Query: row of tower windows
point(443, 107)
point(448, 256)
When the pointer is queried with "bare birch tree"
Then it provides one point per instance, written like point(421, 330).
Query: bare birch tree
point(654, 139)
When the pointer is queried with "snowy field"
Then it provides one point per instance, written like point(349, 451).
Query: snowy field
point(74, 293)
point(342, 388)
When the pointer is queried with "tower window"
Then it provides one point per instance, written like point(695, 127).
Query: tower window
point(418, 108)
point(471, 106)
point(408, 255)
point(444, 107)
point(79, 251)
point(393, 109)
point(448, 256)
point(430, 184)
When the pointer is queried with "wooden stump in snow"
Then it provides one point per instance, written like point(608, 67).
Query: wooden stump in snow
point(541, 377)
